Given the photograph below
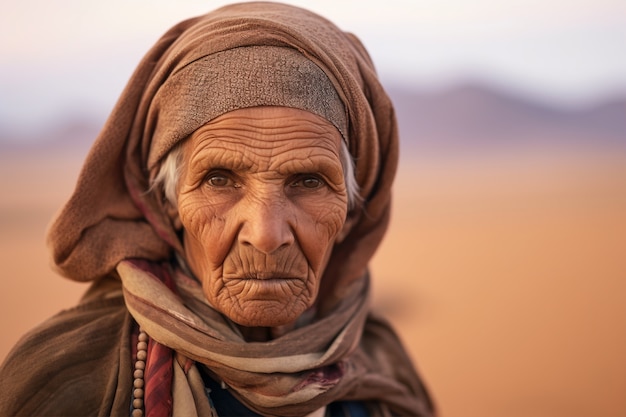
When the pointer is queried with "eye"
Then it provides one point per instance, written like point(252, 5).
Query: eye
point(220, 180)
point(310, 182)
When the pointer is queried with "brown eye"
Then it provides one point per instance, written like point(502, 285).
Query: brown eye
point(309, 182)
point(218, 180)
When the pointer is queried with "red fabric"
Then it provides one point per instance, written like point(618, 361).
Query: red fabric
point(158, 380)
point(158, 374)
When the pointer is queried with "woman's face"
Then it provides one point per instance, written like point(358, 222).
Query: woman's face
point(261, 199)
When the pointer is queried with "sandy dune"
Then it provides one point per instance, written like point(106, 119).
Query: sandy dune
point(505, 275)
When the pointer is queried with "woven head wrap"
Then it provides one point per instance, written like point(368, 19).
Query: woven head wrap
point(235, 79)
point(110, 217)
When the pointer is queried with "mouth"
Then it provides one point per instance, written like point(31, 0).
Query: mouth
point(267, 276)
point(268, 286)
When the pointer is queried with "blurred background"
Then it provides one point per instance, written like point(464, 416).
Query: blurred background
point(504, 269)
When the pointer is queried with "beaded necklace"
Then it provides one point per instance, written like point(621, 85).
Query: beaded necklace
point(138, 382)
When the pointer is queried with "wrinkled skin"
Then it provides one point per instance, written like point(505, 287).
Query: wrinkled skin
point(262, 199)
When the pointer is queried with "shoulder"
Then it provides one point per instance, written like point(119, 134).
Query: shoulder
point(69, 365)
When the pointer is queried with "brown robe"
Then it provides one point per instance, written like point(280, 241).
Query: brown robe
point(78, 362)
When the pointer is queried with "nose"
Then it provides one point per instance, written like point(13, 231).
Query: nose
point(266, 226)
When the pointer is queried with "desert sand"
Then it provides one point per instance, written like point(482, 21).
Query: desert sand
point(504, 274)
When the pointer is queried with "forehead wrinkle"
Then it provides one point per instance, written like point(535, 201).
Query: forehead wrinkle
point(310, 161)
point(231, 152)
point(322, 145)
point(265, 130)
point(275, 124)
point(218, 154)
point(250, 141)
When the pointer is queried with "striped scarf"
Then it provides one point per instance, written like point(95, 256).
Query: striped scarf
point(293, 375)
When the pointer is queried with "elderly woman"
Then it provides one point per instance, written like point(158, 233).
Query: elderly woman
point(226, 215)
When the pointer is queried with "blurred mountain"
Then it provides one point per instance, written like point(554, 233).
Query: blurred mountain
point(73, 134)
point(465, 117)
point(473, 116)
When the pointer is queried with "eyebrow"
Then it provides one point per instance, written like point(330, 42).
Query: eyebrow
point(219, 157)
point(316, 162)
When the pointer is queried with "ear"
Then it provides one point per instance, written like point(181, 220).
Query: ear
point(351, 220)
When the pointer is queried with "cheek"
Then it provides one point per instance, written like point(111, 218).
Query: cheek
point(316, 234)
point(205, 235)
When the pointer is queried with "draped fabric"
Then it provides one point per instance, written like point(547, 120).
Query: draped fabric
point(294, 375)
point(80, 361)
point(111, 217)
point(115, 227)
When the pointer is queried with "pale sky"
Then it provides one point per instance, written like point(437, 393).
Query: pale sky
point(64, 55)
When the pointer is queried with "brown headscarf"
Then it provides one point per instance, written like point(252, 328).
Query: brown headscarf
point(111, 217)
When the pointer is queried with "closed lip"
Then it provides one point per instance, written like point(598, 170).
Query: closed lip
point(267, 276)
